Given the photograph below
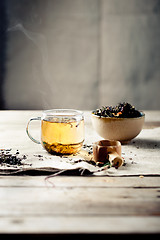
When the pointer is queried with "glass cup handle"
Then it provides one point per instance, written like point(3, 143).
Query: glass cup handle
point(27, 130)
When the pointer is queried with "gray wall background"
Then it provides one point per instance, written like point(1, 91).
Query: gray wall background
point(82, 53)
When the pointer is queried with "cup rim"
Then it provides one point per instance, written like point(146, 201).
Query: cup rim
point(65, 112)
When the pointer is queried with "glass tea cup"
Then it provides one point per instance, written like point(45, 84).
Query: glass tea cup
point(62, 131)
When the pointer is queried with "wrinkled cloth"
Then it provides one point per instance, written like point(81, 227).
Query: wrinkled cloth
point(141, 156)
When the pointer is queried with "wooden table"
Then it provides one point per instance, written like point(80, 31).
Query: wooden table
point(76, 204)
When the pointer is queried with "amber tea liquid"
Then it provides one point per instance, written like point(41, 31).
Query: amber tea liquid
point(65, 137)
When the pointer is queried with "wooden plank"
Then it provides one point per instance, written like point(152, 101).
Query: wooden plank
point(152, 116)
point(17, 201)
point(83, 224)
point(80, 181)
point(21, 116)
point(74, 204)
point(17, 117)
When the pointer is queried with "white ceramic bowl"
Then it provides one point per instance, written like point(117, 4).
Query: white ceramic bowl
point(120, 129)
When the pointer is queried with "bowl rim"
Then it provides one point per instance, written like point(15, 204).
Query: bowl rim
point(115, 118)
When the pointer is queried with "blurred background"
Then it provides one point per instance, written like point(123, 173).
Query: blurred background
point(79, 53)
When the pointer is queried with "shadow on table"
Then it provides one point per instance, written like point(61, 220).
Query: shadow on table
point(151, 125)
point(145, 143)
point(74, 236)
